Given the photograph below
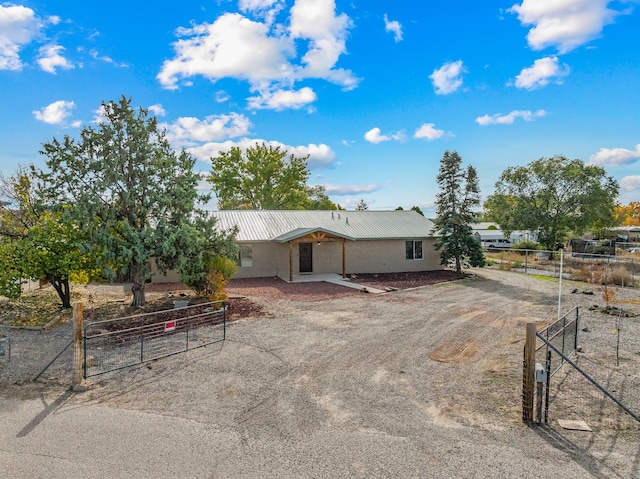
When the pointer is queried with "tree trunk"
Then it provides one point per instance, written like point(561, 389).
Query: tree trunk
point(62, 288)
point(138, 279)
point(138, 295)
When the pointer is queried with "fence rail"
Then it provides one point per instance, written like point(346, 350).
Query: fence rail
point(624, 270)
point(118, 343)
point(576, 386)
point(563, 335)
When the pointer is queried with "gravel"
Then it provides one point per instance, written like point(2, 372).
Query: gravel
point(417, 383)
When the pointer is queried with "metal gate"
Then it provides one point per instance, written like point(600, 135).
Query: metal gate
point(118, 343)
point(557, 344)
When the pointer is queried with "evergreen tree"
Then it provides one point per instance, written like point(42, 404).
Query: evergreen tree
point(133, 194)
point(459, 195)
point(362, 206)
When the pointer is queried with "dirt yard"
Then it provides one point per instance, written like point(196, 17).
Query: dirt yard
point(386, 372)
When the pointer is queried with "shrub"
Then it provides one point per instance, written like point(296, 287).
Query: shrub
point(527, 244)
point(221, 270)
point(581, 274)
point(621, 276)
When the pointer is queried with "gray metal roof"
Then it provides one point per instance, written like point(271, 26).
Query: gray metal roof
point(283, 225)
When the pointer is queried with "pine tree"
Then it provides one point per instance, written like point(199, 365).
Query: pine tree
point(459, 195)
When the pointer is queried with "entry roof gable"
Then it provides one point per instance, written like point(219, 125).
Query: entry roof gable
point(301, 232)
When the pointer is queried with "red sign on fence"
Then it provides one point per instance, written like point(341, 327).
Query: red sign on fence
point(169, 326)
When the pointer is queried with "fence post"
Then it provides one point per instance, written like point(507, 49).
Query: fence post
point(78, 356)
point(528, 375)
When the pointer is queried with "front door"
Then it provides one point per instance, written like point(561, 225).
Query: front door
point(306, 264)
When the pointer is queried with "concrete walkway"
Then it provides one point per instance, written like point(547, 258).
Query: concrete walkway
point(334, 279)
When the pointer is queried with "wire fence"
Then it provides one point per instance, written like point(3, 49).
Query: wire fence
point(621, 270)
point(596, 383)
point(118, 343)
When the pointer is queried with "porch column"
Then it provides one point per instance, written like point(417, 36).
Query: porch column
point(290, 261)
point(344, 260)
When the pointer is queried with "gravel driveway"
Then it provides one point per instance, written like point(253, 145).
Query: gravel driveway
point(416, 383)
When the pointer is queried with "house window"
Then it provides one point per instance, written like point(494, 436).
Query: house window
point(245, 257)
point(413, 249)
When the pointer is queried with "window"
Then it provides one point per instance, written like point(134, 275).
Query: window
point(413, 249)
point(245, 257)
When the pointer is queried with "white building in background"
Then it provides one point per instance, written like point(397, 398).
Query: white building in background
point(488, 231)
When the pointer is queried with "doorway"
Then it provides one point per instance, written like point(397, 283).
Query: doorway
point(306, 263)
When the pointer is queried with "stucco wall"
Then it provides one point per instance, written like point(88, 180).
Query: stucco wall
point(389, 257)
point(384, 256)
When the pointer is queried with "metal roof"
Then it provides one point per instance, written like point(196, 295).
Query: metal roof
point(283, 225)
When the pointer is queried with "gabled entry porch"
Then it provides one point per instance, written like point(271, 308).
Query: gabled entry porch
point(306, 239)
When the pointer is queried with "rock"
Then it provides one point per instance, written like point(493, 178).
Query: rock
point(80, 388)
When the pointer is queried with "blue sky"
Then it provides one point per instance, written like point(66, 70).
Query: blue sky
point(374, 91)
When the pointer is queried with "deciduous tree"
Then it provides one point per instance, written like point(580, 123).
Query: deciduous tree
point(264, 177)
point(36, 244)
point(628, 215)
point(553, 196)
point(455, 210)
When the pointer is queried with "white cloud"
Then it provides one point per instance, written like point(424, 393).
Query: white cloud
point(232, 46)
point(282, 99)
point(50, 58)
point(615, 156)
point(565, 24)
point(55, 113)
point(188, 131)
point(499, 119)
point(265, 55)
point(630, 183)
point(448, 78)
point(222, 96)
point(267, 9)
point(541, 73)
point(320, 156)
point(342, 190)
point(157, 109)
point(18, 27)
point(374, 136)
point(99, 115)
point(428, 132)
point(104, 58)
point(258, 5)
point(394, 27)
point(316, 21)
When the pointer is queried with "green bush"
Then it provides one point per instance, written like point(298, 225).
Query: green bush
point(527, 244)
point(224, 266)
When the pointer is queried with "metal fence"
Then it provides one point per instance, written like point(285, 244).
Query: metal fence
point(583, 390)
point(563, 335)
point(118, 343)
point(624, 270)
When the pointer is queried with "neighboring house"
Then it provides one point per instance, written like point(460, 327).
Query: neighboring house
point(491, 231)
point(285, 243)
